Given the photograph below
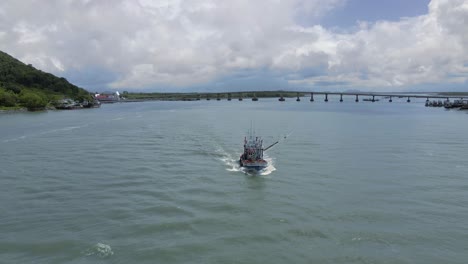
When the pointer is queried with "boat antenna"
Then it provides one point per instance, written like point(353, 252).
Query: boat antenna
point(254, 133)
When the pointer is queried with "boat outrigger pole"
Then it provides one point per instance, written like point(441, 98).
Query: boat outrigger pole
point(265, 149)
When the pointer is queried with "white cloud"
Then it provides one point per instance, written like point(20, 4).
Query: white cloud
point(396, 55)
point(181, 43)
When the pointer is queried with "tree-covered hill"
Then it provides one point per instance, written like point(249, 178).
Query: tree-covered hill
point(23, 85)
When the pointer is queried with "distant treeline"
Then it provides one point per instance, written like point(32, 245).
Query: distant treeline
point(23, 85)
point(224, 95)
point(454, 93)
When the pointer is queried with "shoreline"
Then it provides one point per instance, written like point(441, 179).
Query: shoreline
point(195, 96)
point(14, 110)
point(247, 95)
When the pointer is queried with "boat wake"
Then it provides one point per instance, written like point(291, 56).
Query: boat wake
point(232, 164)
point(101, 250)
point(63, 129)
point(52, 131)
point(13, 139)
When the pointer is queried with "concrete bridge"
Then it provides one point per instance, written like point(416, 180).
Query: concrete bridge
point(356, 96)
point(374, 96)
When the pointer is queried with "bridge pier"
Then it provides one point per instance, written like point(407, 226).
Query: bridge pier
point(311, 97)
point(357, 98)
point(373, 98)
point(326, 97)
point(341, 98)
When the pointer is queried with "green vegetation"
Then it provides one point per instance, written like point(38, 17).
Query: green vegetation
point(22, 85)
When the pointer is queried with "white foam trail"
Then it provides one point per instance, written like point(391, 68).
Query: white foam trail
point(100, 250)
point(13, 139)
point(63, 129)
point(270, 168)
point(233, 165)
point(67, 128)
point(228, 160)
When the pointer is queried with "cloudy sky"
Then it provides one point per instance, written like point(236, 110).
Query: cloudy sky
point(221, 45)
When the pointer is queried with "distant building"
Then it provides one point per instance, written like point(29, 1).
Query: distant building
point(107, 97)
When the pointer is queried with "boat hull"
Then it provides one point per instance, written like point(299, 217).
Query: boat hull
point(253, 165)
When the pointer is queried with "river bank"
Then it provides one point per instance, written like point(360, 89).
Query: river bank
point(7, 110)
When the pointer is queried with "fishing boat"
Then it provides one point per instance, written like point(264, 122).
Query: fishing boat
point(252, 157)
